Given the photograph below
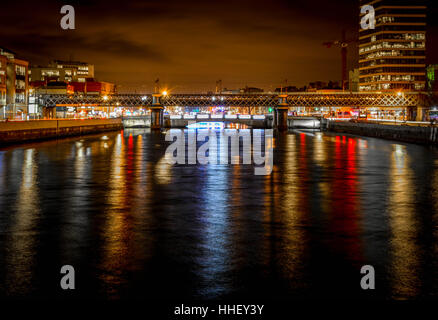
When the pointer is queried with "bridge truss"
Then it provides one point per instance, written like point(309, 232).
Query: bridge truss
point(361, 100)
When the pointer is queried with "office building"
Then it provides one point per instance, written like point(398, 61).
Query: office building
point(392, 57)
point(14, 85)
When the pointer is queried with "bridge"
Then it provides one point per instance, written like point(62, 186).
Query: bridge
point(414, 103)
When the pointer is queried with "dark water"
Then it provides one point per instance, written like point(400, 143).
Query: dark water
point(133, 226)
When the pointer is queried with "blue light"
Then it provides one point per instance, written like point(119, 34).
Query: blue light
point(206, 125)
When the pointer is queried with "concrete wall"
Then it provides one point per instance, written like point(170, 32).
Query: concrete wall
point(405, 133)
point(137, 122)
point(23, 131)
point(304, 122)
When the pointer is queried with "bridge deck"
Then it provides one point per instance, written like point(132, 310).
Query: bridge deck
point(304, 99)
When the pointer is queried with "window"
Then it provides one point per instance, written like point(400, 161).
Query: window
point(20, 84)
point(20, 98)
point(20, 70)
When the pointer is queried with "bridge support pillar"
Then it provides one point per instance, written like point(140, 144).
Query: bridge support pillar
point(411, 113)
point(156, 112)
point(281, 112)
point(156, 117)
point(420, 113)
point(422, 108)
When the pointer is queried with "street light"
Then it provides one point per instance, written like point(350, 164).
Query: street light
point(164, 93)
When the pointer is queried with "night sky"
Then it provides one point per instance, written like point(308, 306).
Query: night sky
point(189, 45)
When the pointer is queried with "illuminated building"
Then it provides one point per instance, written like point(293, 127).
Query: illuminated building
point(67, 71)
point(14, 85)
point(3, 63)
point(393, 55)
point(78, 75)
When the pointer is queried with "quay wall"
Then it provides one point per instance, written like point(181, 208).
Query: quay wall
point(404, 133)
point(23, 131)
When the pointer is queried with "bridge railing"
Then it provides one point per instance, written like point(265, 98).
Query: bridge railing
point(298, 99)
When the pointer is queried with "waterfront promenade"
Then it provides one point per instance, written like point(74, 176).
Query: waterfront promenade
point(23, 131)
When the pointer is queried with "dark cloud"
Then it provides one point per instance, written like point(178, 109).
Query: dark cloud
point(189, 44)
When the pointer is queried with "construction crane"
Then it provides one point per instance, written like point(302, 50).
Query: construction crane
point(343, 44)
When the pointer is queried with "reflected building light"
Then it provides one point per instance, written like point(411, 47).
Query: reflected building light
point(319, 150)
point(404, 229)
point(25, 219)
point(215, 256)
point(399, 153)
point(318, 136)
point(163, 171)
point(363, 144)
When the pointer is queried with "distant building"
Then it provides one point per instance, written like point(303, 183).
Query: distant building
point(230, 91)
point(251, 90)
point(318, 86)
point(94, 87)
point(288, 89)
point(65, 87)
point(78, 75)
point(392, 56)
point(14, 84)
point(354, 79)
point(3, 64)
point(55, 87)
point(59, 70)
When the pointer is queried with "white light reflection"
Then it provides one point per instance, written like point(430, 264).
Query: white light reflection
point(404, 264)
point(22, 254)
point(215, 237)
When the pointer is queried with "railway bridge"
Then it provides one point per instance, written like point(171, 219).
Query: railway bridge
point(415, 104)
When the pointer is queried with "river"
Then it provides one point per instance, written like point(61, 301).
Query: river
point(134, 226)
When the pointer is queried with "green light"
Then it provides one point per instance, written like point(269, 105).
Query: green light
point(431, 73)
point(270, 109)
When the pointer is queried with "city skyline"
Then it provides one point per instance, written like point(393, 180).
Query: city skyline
point(190, 46)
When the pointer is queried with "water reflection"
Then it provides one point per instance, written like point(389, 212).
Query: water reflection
point(23, 236)
point(136, 226)
point(404, 229)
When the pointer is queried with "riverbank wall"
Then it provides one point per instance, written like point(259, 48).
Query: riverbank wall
point(24, 131)
point(403, 133)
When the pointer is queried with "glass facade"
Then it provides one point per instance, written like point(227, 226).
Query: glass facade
point(392, 56)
